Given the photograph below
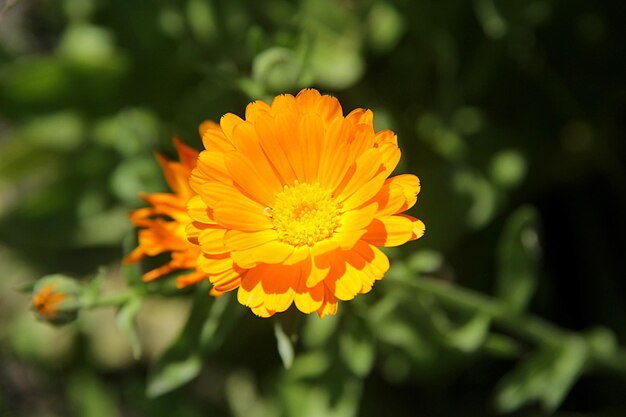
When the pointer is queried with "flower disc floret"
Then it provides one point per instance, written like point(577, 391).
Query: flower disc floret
point(304, 214)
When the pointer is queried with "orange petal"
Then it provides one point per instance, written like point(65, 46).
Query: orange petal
point(308, 299)
point(311, 136)
point(257, 109)
point(244, 173)
point(365, 193)
point(365, 168)
point(279, 284)
point(272, 145)
point(214, 140)
point(335, 159)
point(228, 123)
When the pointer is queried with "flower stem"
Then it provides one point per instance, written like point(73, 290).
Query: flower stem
point(108, 300)
point(518, 323)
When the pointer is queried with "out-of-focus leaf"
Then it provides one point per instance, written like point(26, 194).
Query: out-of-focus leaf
point(386, 26)
point(518, 256)
point(357, 351)
point(284, 345)
point(90, 397)
point(278, 69)
point(222, 317)
point(130, 132)
point(181, 362)
point(173, 374)
point(316, 332)
point(201, 18)
point(508, 168)
point(62, 131)
point(482, 194)
point(471, 335)
point(135, 175)
point(244, 399)
point(208, 323)
point(126, 323)
point(336, 62)
point(89, 46)
point(545, 377)
point(425, 261)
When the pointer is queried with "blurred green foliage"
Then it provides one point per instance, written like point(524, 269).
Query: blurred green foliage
point(510, 112)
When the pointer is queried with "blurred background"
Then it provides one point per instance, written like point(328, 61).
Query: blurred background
point(510, 112)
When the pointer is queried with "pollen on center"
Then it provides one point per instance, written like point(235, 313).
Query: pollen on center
point(304, 214)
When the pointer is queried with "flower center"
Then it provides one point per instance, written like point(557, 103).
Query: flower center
point(304, 214)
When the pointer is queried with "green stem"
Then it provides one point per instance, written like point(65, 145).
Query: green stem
point(524, 325)
point(108, 300)
point(467, 300)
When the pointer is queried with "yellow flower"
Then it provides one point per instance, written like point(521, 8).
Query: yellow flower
point(163, 223)
point(294, 201)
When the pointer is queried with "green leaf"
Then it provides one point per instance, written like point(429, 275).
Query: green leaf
point(89, 397)
point(174, 373)
point(126, 322)
point(181, 362)
point(471, 335)
point(518, 257)
point(545, 377)
point(284, 345)
point(207, 326)
point(357, 351)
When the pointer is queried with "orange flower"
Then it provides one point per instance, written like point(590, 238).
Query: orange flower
point(293, 202)
point(45, 301)
point(163, 223)
point(56, 299)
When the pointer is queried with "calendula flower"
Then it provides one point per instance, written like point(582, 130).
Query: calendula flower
point(55, 299)
point(163, 223)
point(293, 202)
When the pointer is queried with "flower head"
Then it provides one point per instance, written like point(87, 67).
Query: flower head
point(55, 299)
point(293, 202)
point(163, 223)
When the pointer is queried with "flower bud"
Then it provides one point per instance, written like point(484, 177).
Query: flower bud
point(56, 299)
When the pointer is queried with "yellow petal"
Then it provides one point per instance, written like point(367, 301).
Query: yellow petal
point(389, 231)
point(198, 210)
point(300, 254)
point(215, 264)
point(211, 241)
point(237, 240)
point(357, 219)
point(279, 284)
point(241, 214)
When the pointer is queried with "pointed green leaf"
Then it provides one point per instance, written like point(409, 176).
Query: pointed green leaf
point(284, 345)
point(471, 335)
point(126, 323)
point(181, 362)
point(518, 257)
point(545, 377)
